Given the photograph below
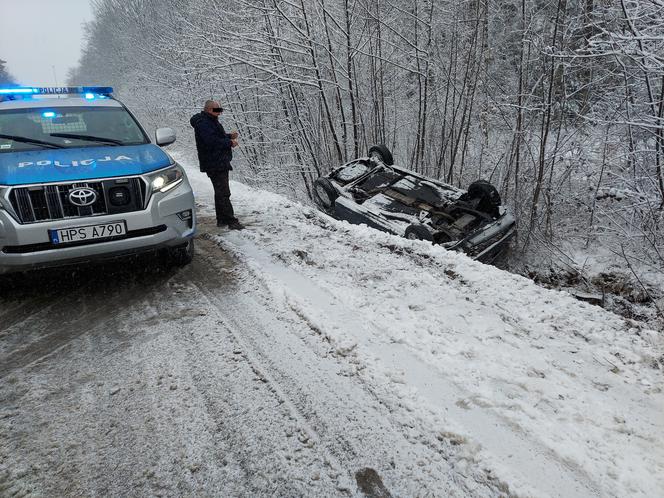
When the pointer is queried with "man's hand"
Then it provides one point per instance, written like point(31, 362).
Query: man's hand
point(234, 143)
point(234, 134)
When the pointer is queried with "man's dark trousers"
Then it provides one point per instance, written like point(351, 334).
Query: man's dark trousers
point(222, 197)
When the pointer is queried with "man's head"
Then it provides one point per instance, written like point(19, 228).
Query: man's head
point(212, 108)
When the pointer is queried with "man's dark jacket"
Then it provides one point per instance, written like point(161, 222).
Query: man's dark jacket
point(212, 142)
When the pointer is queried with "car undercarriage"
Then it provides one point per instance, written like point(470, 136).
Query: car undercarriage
point(380, 195)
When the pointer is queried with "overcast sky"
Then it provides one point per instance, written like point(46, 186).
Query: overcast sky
point(37, 36)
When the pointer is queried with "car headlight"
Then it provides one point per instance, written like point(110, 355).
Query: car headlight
point(166, 179)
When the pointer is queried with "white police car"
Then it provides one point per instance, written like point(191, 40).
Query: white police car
point(81, 181)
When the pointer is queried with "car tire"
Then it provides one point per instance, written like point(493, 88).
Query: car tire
point(382, 153)
point(325, 194)
point(183, 255)
point(417, 231)
point(488, 196)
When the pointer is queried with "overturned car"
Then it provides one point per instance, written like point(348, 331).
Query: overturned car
point(372, 191)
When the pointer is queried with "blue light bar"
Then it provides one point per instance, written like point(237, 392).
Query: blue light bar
point(57, 90)
point(17, 91)
point(48, 114)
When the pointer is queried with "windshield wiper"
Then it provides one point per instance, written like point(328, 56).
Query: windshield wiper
point(89, 138)
point(27, 140)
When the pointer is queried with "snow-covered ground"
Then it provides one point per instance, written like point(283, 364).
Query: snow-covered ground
point(549, 395)
point(307, 357)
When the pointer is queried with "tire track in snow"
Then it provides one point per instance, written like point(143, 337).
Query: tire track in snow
point(75, 311)
point(540, 469)
point(259, 364)
point(207, 280)
point(353, 428)
point(14, 317)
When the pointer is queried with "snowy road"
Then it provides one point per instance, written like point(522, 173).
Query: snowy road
point(192, 383)
point(306, 357)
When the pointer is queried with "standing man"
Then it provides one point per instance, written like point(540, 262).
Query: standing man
point(215, 152)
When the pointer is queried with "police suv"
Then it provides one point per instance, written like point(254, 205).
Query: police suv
point(81, 181)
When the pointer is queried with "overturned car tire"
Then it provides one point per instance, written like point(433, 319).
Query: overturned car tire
point(325, 194)
point(382, 153)
point(417, 231)
point(487, 196)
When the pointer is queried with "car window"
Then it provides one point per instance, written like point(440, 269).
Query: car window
point(114, 124)
point(352, 172)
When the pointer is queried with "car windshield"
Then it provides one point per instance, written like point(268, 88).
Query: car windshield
point(67, 127)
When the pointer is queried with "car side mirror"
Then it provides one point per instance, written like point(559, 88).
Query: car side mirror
point(164, 136)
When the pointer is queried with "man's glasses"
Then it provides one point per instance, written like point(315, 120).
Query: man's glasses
point(217, 109)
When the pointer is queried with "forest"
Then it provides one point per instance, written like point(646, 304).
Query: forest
point(5, 77)
point(559, 103)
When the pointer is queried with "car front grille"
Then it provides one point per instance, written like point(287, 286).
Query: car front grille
point(40, 203)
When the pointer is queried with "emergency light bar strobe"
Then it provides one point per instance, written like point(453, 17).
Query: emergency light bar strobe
point(57, 90)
